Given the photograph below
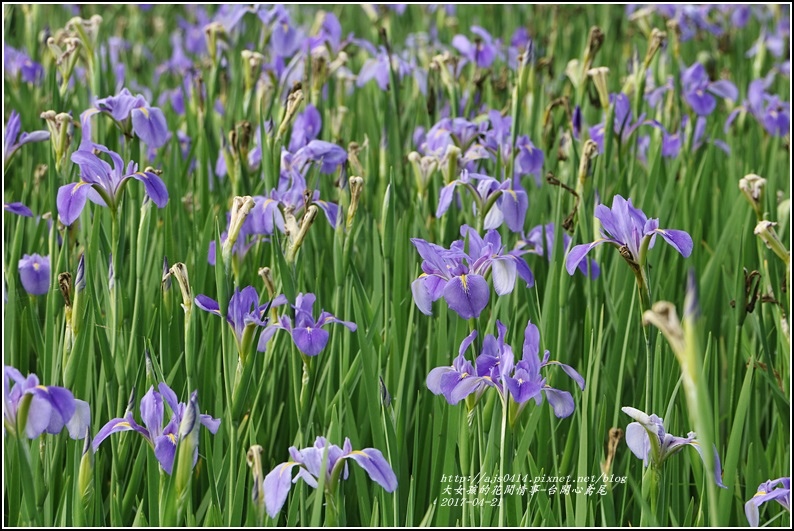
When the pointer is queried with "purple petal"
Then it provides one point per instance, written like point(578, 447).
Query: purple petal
point(114, 426)
point(34, 272)
point(39, 415)
point(80, 422)
point(522, 387)
point(425, 290)
point(504, 275)
point(434, 379)
point(18, 209)
point(467, 295)
point(376, 466)
point(210, 423)
point(276, 487)
point(680, 240)
point(571, 372)
point(724, 89)
point(150, 126)
point(701, 101)
point(561, 401)
point(464, 388)
point(165, 450)
point(445, 198)
point(71, 201)
point(207, 304)
point(267, 333)
point(152, 412)
point(578, 253)
point(514, 205)
point(638, 441)
point(154, 185)
point(170, 397)
point(717, 466)
point(310, 341)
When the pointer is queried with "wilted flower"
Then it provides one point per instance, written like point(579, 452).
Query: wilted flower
point(307, 333)
point(768, 492)
point(162, 440)
point(649, 441)
point(50, 408)
point(278, 482)
point(34, 271)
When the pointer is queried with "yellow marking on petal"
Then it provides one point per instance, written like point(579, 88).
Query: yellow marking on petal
point(172, 438)
point(308, 328)
point(145, 111)
point(512, 192)
point(359, 452)
point(36, 266)
point(759, 493)
point(285, 466)
point(123, 424)
point(42, 387)
point(694, 443)
point(464, 283)
point(464, 375)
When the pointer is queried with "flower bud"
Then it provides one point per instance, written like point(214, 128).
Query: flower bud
point(766, 231)
point(241, 207)
point(599, 76)
point(356, 187)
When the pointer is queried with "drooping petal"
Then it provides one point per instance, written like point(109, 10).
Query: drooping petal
point(210, 423)
point(464, 388)
point(207, 304)
point(18, 208)
point(638, 441)
point(165, 451)
point(310, 341)
point(80, 422)
point(435, 377)
point(71, 200)
point(717, 465)
point(678, 239)
point(514, 205)
point(504, 275)
point(276, 487)
point(154, 185)
point(445, 198)
point(467, 295)
point(427, 289)
point(150, 126)
point(561, 401)
point(522, 386)
point(267, 333)
point(579, 252)
point(571, 372)
point(115, 426)
point(724, 89)
point(376, 466)
point(39, 415)
point(701, 102)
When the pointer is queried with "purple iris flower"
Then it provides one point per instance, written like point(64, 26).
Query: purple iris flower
point(329, 156)
point(495, 368)
point(378, 68)
point(103, 184)
point(17, 63)
point(529, 159)
point(34, 271)
point(482, 51)
point(509, 201)
point(163, 440)
point(244, 314)
point(459, 276)
point(147, 122)
point(624, 125)
point(306, 128)
point(772, 113)
point(278, 482)
point(673, 142)
point(307, 333)
point(699, 91)
point(648, 440)
point(18, 208)
point(540, 241)
point(767, 492)
point(285, 38)
point(628, 228)
point(51, 408)
point(12, 140)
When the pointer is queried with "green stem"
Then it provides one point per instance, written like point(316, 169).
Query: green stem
point(502, 462)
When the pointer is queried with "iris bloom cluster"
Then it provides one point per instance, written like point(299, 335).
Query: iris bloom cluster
point(163, 440)
point(459, 275)
point(495, 367)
